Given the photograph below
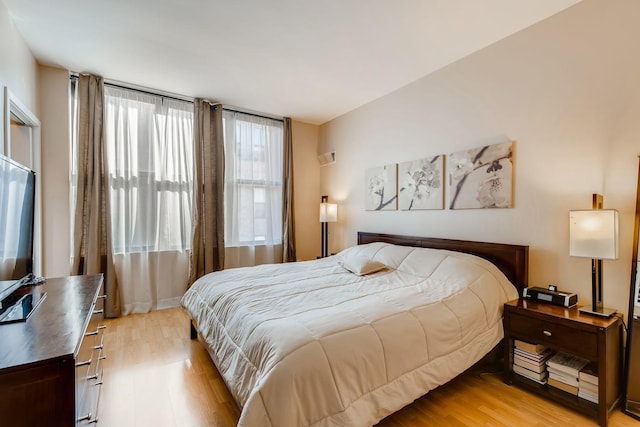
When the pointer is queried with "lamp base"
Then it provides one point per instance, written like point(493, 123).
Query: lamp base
point(600, 312)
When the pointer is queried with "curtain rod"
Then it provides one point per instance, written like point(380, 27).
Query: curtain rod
point(113, 83)
point(154, 92)
point(149, 92)
point(262, 116)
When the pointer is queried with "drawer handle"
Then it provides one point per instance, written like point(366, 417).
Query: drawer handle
point(96, 332)
point(547, 333)
point(98, 311)
point(93, 421)
point(102, 296)
point(98, 383)
point(93, 377)
point(85, 363)
point(102, 357)
point(98, 347)
point(85, 418)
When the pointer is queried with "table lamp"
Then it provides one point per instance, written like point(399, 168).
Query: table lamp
point(328, 213)
point(594, 234)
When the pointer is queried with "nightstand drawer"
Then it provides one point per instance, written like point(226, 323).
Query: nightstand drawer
point(571, 340)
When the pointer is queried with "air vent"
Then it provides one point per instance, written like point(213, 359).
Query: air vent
point(327, 158)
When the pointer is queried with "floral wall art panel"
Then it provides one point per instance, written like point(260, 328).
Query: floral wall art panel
point(420, 184)
point(481, 177)
point(381, 189)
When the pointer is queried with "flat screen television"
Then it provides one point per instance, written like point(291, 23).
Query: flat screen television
point(17, 203)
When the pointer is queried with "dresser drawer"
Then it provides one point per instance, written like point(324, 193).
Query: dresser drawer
point(88, 367)
point(83, 362)
point(571, 340)
point(88, 408)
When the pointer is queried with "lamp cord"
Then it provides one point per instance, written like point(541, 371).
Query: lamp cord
point(619, 316)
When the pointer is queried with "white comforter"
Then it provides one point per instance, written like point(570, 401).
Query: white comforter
point(312, 344)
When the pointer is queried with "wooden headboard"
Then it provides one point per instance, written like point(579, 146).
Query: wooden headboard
point(512, 260)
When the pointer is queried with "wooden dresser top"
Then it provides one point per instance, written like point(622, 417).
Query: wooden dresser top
point(55, 329)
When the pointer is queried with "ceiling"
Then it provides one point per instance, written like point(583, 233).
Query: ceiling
point(309, 60)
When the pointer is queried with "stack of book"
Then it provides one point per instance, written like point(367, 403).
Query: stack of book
point(564, 370)
point(588, 383)
point(529, 361)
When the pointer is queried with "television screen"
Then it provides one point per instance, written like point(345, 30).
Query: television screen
point(17, 197)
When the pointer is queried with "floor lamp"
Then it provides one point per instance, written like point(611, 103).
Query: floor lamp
point(594, 234)
point(328, 213)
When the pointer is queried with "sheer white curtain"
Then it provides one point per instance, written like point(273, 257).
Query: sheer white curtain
point(150, 161)
point(253, 189)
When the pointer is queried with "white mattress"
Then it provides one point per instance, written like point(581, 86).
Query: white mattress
point(312, 344)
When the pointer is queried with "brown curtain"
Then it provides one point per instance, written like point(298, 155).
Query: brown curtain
point(207, 252)
point(92, 249)
point(288, 233)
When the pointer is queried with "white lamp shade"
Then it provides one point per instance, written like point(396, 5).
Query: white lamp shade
point(593, 233)
point(328, 212)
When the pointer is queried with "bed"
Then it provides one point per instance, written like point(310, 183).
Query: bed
point(318, 343)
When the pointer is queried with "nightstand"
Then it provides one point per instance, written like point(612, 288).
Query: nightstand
point(566, 329)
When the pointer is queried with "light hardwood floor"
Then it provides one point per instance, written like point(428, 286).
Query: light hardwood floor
point(156, 376)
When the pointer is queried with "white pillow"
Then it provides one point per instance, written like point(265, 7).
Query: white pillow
point(361, 265)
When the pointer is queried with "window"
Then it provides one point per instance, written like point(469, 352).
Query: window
point(253, 179)
point(149, 143)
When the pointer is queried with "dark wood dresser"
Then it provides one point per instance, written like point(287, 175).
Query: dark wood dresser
point(50, 365)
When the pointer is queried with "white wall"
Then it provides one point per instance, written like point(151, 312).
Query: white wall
point(21, 144)
point(567, 90)
point(44, 91)
point(17, 67)
point(53, 95)
point(18, 74)
point(306, 187)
